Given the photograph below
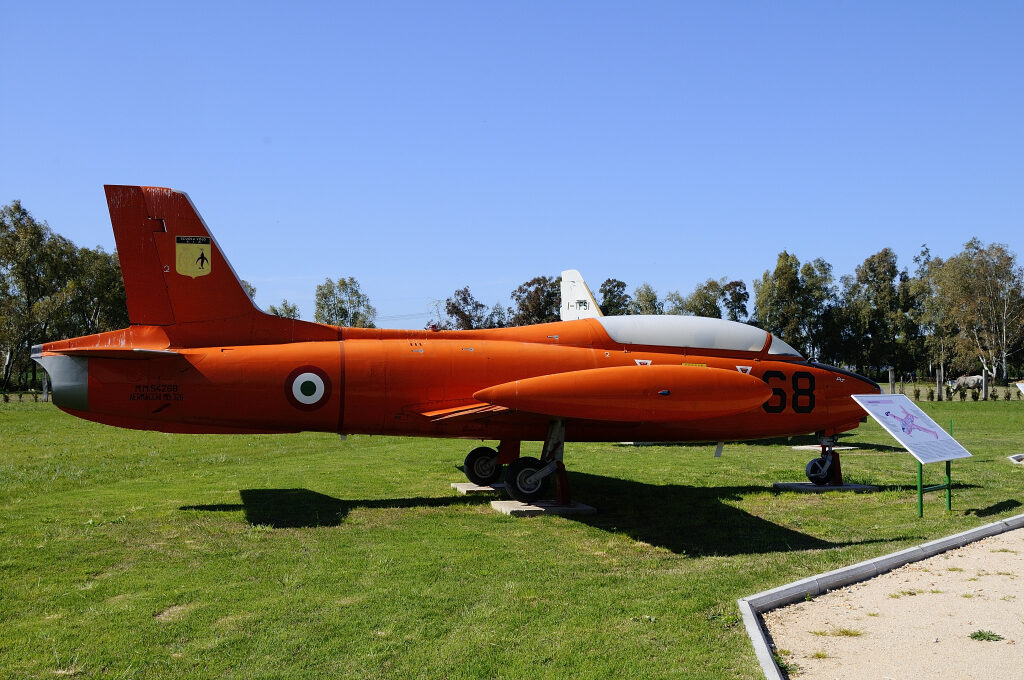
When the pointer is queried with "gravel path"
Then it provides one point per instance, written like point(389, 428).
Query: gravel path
point(915, 621)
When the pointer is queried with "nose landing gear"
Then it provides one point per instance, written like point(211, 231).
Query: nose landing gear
point(825, 470)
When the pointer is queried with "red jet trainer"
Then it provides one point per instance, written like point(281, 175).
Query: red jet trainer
point(200, 357)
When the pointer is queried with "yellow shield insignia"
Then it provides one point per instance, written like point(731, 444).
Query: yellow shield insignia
point(192, 255)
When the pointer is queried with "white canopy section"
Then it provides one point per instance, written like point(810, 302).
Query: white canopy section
point(670, 330)
point(780, 347)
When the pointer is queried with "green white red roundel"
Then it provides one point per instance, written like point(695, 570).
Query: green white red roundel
point(307, 388)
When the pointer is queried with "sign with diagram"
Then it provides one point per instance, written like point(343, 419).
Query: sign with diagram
point(911, 427)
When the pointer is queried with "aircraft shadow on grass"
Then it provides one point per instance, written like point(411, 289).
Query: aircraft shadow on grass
point(303, 509)
point(686, 520)
point(788, 442)
point(690, 520)
point(994, 509)
point(912, 488)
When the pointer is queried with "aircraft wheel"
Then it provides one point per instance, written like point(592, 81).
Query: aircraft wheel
point(481, 466)
point(516, 484)
point(819, 470)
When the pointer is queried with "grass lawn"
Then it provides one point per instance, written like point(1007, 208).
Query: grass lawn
point(138, 555)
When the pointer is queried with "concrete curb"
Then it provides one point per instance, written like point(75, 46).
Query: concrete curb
point(471, 489)
point(517, 509)
point(753, 606)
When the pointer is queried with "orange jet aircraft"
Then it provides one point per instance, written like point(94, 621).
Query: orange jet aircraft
point(200, 357)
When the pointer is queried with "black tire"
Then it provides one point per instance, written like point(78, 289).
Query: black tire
point(482, 466)
point(516, 474)
point(819, 470)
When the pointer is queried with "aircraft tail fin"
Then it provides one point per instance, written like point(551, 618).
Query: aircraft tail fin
point(177, 277)
point(174, 272)
point(577, 300)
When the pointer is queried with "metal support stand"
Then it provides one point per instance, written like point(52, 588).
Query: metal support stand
point(562, 482)
point(836, 477)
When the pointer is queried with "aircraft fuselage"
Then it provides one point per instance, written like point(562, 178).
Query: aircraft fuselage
point(422, 383)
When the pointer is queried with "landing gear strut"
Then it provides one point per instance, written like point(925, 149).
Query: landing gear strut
point(526, 479)
point(825, 470)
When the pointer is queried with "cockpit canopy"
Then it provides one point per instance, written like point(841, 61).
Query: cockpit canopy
point(670, 330)
point(782, 348)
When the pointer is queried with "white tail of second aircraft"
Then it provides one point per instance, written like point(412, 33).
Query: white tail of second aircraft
point(577, 300)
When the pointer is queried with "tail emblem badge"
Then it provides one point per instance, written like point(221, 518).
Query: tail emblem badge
point(192, 255)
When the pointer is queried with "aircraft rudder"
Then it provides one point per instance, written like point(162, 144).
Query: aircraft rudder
point(141, 269)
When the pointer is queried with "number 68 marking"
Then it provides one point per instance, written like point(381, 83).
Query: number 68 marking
point(803, 392)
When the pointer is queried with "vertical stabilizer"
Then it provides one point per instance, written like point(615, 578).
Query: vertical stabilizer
point(577, 300)
point(174, 272)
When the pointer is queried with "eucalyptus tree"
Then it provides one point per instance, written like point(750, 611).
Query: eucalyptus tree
point(536, 301)
point(734, 299)
point(463, 311)
point(645, 301)
point(342, 303)
point(49, 288)
point(794, 301)
point(286, 310)
point(703, 301)
point(615, 301)
point(982, 291)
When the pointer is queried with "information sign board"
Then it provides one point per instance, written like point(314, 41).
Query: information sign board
point(909, 425)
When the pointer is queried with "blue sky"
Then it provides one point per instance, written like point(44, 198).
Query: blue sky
point(421, 147)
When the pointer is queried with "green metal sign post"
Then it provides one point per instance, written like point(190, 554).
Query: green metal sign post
point(921, 436)
point(948, 486)
point(922, 490)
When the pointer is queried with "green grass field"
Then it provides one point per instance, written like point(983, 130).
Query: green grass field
point(139, 555)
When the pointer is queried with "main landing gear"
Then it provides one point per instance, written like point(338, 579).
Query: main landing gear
point(527, 479)
point(482, 467)
point(825, 470)
point(485, 466)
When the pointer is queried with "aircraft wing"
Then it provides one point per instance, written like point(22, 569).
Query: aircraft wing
point(111, 353)
point(663, 393)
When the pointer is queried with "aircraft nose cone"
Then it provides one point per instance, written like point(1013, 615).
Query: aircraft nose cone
point(842, 384)
point(855, 383)
point(867, 384)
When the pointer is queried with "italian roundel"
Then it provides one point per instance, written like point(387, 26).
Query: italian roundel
point(307, 388)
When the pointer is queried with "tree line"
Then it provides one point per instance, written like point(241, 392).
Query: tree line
point(49, 288)
point(963, 314)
